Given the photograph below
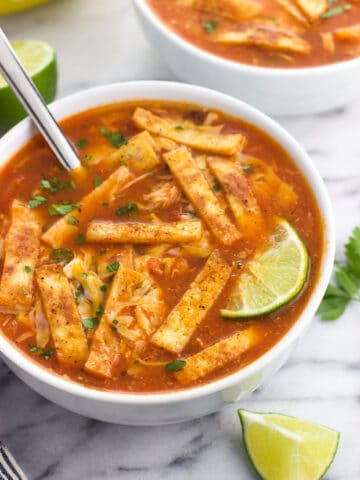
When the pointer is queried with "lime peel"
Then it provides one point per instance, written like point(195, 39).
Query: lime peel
point(273, 277)
point(282, 447)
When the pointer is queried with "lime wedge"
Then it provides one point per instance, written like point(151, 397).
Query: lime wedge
point(284, 448)
point(13, 6)
point(39, 60)
point(273, 277)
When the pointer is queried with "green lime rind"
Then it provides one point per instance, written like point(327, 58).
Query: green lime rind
point(273, 277)
point(292, 448)
point(43, 71)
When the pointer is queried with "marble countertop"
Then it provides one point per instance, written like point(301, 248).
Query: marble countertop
point(321, 382)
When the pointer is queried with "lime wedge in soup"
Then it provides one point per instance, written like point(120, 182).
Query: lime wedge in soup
point(286, 448)
point(39, 61)
point(273, 277)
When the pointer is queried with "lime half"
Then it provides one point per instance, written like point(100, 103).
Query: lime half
point(13, 6)
point(273, 277)
point(39, 61)
point(284, 448)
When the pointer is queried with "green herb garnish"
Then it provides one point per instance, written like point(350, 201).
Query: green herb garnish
point(175, 366)
point(179, 127)
point(248, 168)
point(97, 181)
point(62, 255)
point(36, 201)
point(24, 291)
point(100, 311)
point(90, 323)
point(211, 26)
point(347, 281)
point(103, 288)
point(41, 352)
point(216, 187)
point(127, 209)
point(62, 208)
point(72, 220)
point(81, 143)
point(80, 239)
point(336, 11)
point(113, 267)
point(117, 139)
point(27, 269)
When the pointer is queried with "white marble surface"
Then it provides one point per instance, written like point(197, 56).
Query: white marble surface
point(100, 42)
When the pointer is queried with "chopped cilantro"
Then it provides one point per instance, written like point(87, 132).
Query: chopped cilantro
point(117, 139)
point(113, 267)
point(62, 255)
point(248, 168)
point(61, 208)
point(36, 201)
point(211, 26)
point(179, 127)
point(27, 269)
point(127, 209)
point(81, 143)
point(41, 352)
point(216, 187)
point(90, 323)
point(72, 220)
point(24, 291)
point(97, 181)
point(331, 12)
point(80, 239)
point(175, 366)
point(103, 288)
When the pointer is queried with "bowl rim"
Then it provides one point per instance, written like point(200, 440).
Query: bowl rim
point(217, 60)
point(172, 91)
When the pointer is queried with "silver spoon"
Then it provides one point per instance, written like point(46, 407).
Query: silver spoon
point(9, 469)
point(31, 100)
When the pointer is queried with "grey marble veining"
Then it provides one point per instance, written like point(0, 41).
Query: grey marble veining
point(100, 42)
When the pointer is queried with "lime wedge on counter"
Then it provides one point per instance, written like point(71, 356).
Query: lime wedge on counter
point(39, 61)
point(13, 6)
point(273, 277)
point(284, 448)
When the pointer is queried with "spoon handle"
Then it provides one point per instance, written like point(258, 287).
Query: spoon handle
point(9, 469)
point(31, 100)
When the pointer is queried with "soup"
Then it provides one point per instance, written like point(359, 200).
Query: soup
point(119, 275)
point(268, 33)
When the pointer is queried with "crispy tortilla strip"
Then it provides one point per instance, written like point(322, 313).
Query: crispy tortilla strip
point(294, 11)
point(123, 254)
point(350, 34)
point(62, 230)
point(21, 252)
point(213, 143)
point(266, 37)
point(234, 9)
point(241, 199)
point(217, 356)
point(135, 232)
point(139, 154)
point(197, 189)
point(105, 352)
point(313, 9)
point(176, 331)
point(64, 320)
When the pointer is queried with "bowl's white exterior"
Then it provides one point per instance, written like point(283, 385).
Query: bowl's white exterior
point(154, 409)
point(274, 91)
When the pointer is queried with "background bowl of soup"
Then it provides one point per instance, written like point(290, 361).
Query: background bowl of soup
point(76, 375)
point(315, 67)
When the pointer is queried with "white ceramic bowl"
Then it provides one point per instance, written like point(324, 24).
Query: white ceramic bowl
point(276, 91)
point(152, 409)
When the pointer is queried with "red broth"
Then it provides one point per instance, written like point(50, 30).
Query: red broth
point(22, 175)
point(327, 38)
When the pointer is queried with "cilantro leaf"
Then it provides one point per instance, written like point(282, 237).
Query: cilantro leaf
point(61, 208)
point(115, 138)
point(36, 201)
point(347, 281)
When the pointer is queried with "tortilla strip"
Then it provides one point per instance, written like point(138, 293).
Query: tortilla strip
point(217, 356)
point(241, 199)
point(209, 142)
point(294, 11)
point(177, 329)
point(102, 231)
point(139, 154)
point(105, 351)
point(61, 312)
point(21, 252)
point(266, 37)
point(235, 9)
point(313, 9)
point(198, 191)
point(351, 34)
point(62, 230)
